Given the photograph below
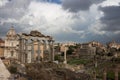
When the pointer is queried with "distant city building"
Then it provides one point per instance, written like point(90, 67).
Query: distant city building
point(63, 47)
point(67, 44)
point(114, 48)
point(11, 43)
point(87, 49)
point(2, 46)
point(113, 45)
point(96, 44)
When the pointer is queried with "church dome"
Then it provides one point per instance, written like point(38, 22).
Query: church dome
point(11, 33)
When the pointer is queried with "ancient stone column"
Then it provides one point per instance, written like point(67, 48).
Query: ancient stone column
point(104, 75)
point(53, 51)
point(42, 51)
point(116, 74)
point(45, 44)
point(38, 50)
point(65, 59)
point(26, 50)
point(94, 75)
point(20, 49)
point(49, 51)
point(32, 51)
point(23, 50)
point(96, 64)
point(44, 48)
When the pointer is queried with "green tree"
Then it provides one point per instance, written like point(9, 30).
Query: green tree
point(100, 52)
point(12, 69)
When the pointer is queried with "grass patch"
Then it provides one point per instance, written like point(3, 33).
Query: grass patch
point(78, 61)
point(110, 75)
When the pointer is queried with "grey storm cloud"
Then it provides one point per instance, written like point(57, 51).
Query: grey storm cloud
point(5, 28)
point(14, 9)
point(111, 18)
point(19, 14)
point(77, 5)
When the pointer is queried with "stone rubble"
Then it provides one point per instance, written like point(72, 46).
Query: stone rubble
point(4, 73)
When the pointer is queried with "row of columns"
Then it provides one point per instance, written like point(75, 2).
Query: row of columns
point(24, 43)
point(50, 51)
point(38, 49)
point(23, 51)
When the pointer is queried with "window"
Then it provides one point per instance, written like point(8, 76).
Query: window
point(12, 53)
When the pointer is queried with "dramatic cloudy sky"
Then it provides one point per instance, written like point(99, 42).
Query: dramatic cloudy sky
point(65, 20)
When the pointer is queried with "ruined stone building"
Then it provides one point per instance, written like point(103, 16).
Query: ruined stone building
point(113, 44)
point(34, 46)
point(11, 43)
point(96, 44)
point(87, 49)
point(28, 48)
point(2, 46)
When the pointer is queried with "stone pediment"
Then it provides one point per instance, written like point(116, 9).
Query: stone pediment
point(36, 34)
point(25, 34)
point(49, 37)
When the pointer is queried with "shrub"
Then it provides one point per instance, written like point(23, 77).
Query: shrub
point(12, 69)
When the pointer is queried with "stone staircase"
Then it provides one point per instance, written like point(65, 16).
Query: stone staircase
point(4, 73)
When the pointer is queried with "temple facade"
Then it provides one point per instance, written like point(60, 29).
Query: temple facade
point(11, 43)
point(34, 46)
point(28, 48)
